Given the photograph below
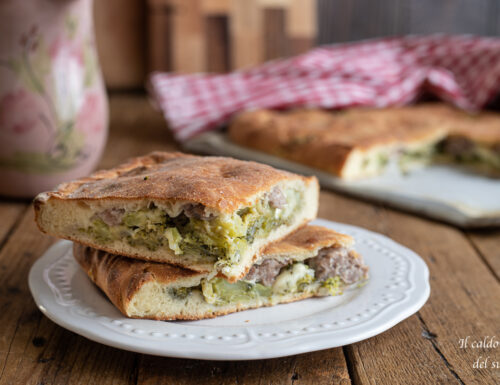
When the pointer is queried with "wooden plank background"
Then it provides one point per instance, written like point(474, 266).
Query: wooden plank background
point(348, 20)
point(122, 27)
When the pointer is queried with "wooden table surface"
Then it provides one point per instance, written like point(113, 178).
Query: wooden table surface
point(423, 349)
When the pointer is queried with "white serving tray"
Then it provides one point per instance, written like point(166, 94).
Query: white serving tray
point(439, 192)
point(398, 287)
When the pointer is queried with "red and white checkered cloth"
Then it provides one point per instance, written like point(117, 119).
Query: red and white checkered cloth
point(462, 70)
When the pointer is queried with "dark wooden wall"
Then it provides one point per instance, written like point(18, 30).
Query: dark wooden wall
point(122, 27)
point(347, 20)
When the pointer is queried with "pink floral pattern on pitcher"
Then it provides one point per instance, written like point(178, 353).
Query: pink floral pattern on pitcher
point(22, 112)
point(88, 118)
point(58, 102)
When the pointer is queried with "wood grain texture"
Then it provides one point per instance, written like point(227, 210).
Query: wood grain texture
point(246, 34)
point(217, 41)
point(348, 20)
point(159, 37)
point(320, 368)
point(341, 20)
point(298, 45)
point(487, 244)
point(121, 42)
point(457, 16)
point(376, 18)
point(10, 213)
point(135, 129)
point(222, 35)
point(301, 19)
point(216, 7)
point(464, 300)
point(399, 356)
point(32, 348)
point(188, 48)
point(494, 18)
point(275, 41)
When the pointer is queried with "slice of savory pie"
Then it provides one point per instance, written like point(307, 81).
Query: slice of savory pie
point(359, 143)
point(313, 261)
point(209, 214)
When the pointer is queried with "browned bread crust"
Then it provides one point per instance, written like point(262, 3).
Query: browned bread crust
point(219, 183)
point(307, 239)
point(120, 278)
point(482, 127)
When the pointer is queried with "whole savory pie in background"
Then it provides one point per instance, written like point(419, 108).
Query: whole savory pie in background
point(360, 142)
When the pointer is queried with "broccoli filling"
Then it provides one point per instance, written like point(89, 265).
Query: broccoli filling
point(327, 273)
point(181, 293)
point(222, 239)
point(456, 149)
point(219, 292)
point(475, 155)
point(489, 157)
point(377, 162)
point(422, 155)
point(295, 278)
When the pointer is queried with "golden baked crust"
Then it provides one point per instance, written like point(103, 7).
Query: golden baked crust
point(307, 239)
point(120, 278)
point(482, 127)
point(219, 183)
point(325, 140)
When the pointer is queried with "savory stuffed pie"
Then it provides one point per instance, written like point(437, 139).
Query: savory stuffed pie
point(209, 214)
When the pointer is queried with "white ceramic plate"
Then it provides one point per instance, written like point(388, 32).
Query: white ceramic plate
point(398, 287)
point(440, 192)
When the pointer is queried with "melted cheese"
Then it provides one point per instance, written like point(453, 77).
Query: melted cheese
point(286, 282)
